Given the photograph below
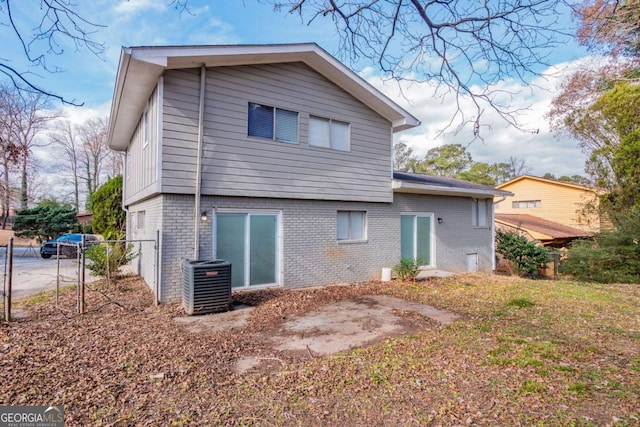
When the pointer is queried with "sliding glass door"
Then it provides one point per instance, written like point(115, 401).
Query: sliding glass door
point(250, 242)
point(416, 238)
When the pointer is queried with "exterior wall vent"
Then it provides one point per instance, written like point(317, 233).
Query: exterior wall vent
point(206, 286)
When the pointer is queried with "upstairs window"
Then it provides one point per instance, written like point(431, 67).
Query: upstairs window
point(479, 214)
point(351, 225)
point(328, 133)
point(524, 204)
point(272, 123)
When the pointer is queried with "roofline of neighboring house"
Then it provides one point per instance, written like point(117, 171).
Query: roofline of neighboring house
point(550, 181)
point(400, 186)
point(141, 67)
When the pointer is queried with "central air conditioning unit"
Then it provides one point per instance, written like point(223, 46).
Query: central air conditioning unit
point(206, 286)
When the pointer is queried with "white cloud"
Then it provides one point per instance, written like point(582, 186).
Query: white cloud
point(133, 7)
point(543, 151)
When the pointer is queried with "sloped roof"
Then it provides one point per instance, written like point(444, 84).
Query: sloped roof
point(141, 67)
point(537, 225)
point(547, 181)
point(405, 182)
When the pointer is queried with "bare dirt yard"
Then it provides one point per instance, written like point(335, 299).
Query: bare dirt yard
point(505, 352)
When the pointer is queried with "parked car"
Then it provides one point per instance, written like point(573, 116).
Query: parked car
point(50, 248)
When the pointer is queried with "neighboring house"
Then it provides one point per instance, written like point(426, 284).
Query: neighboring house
point(549, 233)
point(278, 158)
point(84, 217)
point(553, 201)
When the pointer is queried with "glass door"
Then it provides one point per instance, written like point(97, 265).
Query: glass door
point(416, 238)
point(249, 241)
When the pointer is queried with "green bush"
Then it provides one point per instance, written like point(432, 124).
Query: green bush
point(610, 257)
point(526, 257)
point(107, 258)
point(407, 269)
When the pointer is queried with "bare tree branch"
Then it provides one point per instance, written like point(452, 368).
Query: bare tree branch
point(466, 48)
point(56, 25)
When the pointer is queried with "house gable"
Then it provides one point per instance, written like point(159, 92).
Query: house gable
point(556, 201)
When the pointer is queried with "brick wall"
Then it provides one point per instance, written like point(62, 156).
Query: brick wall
point(311, 255)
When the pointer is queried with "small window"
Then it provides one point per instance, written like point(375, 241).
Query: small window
point(145, 129)
point(479, 213)
point(272, 123)
point(329, 133)
point(526, 204)
point(140, 225)
point(351, 225)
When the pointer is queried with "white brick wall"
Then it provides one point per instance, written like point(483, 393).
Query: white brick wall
point(311, 253)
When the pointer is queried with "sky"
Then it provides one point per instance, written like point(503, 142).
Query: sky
point(89, 79)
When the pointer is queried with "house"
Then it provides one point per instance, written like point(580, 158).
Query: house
point(278, 158)
point(554, 211)
point(548, 233)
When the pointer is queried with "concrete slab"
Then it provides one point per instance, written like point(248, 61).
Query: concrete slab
point(217, 322)
point(351, 324)
point(425, 274)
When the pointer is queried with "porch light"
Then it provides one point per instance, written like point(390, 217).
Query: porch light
point(203, 216)
point(440, 220)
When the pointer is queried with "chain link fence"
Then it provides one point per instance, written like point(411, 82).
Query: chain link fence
point(77, 266)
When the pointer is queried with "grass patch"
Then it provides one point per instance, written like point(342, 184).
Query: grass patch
point(520, 303)
point(533, 386)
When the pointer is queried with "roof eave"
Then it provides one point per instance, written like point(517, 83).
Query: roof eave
point(416, 188)
point(146, 65)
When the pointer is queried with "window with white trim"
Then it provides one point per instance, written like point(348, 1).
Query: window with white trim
point(329, 133)
point(479, 213)
point(272, 123)
point(351, 225)
point(524, 204)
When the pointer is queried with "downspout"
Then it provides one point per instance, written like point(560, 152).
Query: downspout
point(493, 232)
point(198, 190)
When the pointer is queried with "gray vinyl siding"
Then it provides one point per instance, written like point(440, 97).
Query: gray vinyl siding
point(311, 254)
point(142, 160)
point(235, 164)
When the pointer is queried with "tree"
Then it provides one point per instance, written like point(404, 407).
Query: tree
point(611, 27)
point(54, 26)
point(402, 157)
point(93, 135)
point(445, 160)
point(526, 257)
point(106, 203)
point(609, 129)
point(65, 137)
point(46, 221)
point(610, 257)
point(465, 47)
point(486, 174)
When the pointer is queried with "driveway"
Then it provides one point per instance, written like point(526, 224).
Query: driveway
point(32, 274)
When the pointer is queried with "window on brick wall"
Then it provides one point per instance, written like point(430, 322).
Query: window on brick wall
point(480, 213)
point(351, 225)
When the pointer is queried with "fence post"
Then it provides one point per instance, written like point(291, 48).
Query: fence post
point(82, 276)
point(156, 277)
point(7, 296)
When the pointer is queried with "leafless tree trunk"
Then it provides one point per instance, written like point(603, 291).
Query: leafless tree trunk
point(93, 135)
point(66, 138)
point(32, 113)
point(10, 151)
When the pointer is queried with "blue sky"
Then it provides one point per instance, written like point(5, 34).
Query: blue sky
point(89, 79)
